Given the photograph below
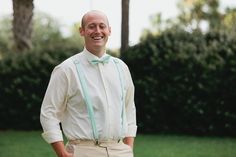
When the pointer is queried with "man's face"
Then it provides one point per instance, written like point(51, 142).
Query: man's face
point(95, 31)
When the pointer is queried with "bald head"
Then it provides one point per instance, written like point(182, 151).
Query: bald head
point(93, 13)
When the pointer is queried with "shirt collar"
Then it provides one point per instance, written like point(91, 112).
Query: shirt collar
point(89, 56)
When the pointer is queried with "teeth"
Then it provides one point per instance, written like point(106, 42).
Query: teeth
point(97, 38)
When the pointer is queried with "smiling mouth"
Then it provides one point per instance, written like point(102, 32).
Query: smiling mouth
point(97, 38)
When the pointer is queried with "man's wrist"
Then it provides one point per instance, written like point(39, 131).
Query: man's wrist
point(59, 148)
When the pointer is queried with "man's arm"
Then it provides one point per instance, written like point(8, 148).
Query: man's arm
point(60, 150)
point(53, 106)
point(130, 110)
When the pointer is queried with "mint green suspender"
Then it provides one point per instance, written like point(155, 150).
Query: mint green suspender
point(88, 100)
point(122, 84)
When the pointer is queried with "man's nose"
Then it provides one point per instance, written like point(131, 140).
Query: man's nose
point(97, 29)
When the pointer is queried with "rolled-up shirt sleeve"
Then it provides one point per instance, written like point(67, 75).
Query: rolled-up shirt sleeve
point(53, 105)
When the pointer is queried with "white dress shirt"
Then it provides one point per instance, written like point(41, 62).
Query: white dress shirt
point(64, 101)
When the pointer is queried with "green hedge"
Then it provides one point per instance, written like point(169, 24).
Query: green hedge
point(24, 78)
point(185, 83)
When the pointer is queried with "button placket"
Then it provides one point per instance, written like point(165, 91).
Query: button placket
point(101, 71)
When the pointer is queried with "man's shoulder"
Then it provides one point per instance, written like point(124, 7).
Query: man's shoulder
point(68, 63)
point(119, 61)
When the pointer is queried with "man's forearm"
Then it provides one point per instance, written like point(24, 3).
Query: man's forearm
point(60, 150)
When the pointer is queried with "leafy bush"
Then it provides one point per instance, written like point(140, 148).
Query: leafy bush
point(24, 78)
point(185, 83)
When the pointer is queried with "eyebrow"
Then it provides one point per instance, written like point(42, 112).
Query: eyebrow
point(96, 24)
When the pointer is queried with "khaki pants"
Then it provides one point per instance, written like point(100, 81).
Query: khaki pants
point(103, 149)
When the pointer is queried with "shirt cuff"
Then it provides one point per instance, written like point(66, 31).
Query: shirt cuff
point(132, 130)
point(52, 136)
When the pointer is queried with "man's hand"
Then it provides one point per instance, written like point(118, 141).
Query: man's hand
point(129, 141)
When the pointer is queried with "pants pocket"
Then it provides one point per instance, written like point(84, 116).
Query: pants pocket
point(122, 150)
point(70, 148)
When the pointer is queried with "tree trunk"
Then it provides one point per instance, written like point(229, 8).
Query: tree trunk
point(22, 24)
point(124, 26)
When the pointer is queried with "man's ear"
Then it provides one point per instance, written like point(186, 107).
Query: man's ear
point(109, 30)
point(81, 31)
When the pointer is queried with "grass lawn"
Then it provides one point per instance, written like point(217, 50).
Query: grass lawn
point(184, 146)
point(30, 144)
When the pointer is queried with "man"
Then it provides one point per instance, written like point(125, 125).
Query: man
point(91, 95)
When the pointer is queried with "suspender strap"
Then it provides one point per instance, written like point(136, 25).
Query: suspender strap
point(119, 70)
point(88, 100)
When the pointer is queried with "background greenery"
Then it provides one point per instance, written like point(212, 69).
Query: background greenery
point(185, 82)
point(30, 144)
point(24, 79)
point(184, 75)
point(177, 75)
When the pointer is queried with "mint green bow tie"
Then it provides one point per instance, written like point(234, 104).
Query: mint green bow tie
point(102, 60)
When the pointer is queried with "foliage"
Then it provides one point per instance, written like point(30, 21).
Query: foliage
point(195, 15)
point(6, 36)
point(193, 12)
point(24, 78)
point(185, 82)
point(46, 35)
point(229, 21)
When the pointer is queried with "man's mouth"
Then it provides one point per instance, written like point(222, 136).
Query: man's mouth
point(97, 38)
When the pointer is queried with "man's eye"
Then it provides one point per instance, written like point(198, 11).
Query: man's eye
point(102, 26)
point(91, 26)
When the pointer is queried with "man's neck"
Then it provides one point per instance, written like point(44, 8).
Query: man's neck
point(97, 52)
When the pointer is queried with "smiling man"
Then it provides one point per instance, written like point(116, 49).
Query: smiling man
point(91, 95)
point(95, 30)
